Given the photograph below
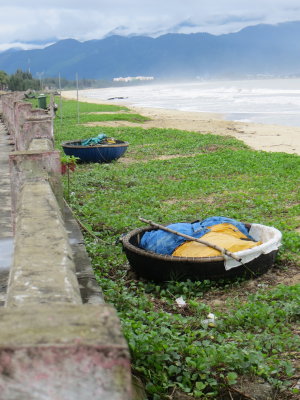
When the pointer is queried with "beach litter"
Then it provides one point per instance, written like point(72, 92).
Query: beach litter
point(210, 322)
point(180, 302)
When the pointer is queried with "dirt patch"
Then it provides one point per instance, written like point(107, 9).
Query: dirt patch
point(292, 280)
point(109, 112)
point(127, 160)
point(171, 201)
point(298, 227)
point(170, 157)
point(115, 124)
point(288, 275)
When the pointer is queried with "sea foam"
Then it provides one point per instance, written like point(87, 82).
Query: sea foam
point(268, 101)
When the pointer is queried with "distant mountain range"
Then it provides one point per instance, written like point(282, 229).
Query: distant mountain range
point(261, 49)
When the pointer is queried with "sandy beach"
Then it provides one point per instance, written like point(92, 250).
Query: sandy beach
point(274, 138)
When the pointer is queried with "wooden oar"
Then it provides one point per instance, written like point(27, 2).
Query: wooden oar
point(191, 238)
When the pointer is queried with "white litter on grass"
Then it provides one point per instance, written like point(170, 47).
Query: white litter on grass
point(180, 302)
point(211, 316)
point(210, 321)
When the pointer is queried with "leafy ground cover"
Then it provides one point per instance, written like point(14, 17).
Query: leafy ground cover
point(168, 176)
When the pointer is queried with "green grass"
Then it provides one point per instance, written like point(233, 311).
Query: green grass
point(85, 118)
point(71, 110)
point(170, 176)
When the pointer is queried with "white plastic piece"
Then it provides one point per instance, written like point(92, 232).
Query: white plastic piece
point(271, 238)
point(180, 302)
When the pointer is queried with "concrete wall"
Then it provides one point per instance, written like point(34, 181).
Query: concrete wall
point(8, 110)
point(58, 339)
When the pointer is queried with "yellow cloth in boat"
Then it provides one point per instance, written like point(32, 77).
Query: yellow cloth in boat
point(224, 235)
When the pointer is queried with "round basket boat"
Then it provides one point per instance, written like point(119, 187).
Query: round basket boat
point(158, 267)
point(99, 153)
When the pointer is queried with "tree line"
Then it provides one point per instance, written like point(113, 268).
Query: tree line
point(19, 81)
point(22, 81)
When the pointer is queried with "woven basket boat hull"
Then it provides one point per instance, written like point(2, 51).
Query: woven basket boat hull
point(159, 267)
point(99, 153)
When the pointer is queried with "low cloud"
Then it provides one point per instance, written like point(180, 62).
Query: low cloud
point(34, 20)
point(23, 46)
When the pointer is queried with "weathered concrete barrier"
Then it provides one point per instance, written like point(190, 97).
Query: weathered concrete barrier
point(43, 270)
point(23, 122)
point(35, 166)
point(65, 352)
point(8, 110)
point(58, 339)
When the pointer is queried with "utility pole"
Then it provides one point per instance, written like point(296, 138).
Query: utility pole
point(60, 100)
point(77, 98)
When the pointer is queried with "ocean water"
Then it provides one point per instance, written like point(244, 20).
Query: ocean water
point(267, 101)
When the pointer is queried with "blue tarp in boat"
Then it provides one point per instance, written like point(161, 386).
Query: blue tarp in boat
point(162, 242)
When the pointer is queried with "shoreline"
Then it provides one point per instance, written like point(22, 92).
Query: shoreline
point(272, 138)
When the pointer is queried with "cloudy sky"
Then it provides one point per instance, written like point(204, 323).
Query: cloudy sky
point(32, 21)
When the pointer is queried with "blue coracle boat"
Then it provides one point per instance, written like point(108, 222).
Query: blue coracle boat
point(98, 153)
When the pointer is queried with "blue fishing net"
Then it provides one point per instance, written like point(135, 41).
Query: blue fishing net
point(95, 140)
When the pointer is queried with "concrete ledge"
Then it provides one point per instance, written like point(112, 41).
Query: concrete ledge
point(32, 166)
point(43, 270)
point(86, 358)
